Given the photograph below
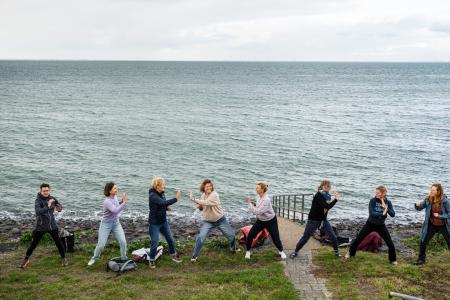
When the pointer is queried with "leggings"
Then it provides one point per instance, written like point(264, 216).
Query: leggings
point(272, 228)
point(382, 231)
point(432, 230)
point(37, 236)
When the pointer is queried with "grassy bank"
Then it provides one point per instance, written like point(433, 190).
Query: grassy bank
point(370, 276)
point(218, 274)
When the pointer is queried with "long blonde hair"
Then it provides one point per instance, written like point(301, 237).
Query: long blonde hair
point(439, 195)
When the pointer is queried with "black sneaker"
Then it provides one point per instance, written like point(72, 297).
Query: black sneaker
point(176, 258)
point(24, 263)
point(419, 262)
point(194, 259)
point(152, 264)
point(293, 255)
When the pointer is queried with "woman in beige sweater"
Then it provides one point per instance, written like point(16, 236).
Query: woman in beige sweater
point(213, 215)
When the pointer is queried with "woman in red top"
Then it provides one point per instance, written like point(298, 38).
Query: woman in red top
point(437, 218)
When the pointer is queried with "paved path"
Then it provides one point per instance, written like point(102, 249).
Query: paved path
point(299, 270)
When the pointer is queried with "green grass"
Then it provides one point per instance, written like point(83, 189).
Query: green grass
point(218, 274)
point(371, 276)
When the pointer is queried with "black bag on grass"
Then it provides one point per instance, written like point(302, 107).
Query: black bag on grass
point(68, 241)
point(120, 265)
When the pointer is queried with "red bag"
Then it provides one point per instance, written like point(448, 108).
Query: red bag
point(371, 243)
point(258, 240)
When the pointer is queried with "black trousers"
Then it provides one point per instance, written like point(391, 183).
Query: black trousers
point(37, 236)
point(431, 231)
point(382, 231)
point(272, 228)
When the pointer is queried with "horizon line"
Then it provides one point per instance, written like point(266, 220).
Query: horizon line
point(227, 61)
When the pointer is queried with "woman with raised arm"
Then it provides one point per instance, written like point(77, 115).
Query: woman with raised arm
point(379, 208)
point(110, 222)
point(157, 219)
point(437, 219)
point(265, 218)
point(320, 206)
point(213, 216)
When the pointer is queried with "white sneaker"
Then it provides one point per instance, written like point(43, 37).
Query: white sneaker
point(91, 262)
point(282, 254)
point(247, 255)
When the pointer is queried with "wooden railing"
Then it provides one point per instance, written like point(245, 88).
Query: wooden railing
point(292, 206)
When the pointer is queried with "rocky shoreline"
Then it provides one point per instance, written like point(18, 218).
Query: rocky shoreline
point(182, 229)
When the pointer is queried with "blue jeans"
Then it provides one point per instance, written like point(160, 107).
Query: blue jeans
point(154, 230)
point(103, 233)
point(223, 226)
point(311, 227)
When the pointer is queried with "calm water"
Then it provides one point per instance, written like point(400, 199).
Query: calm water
point(77, 125)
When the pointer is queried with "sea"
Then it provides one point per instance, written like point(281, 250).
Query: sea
point(79, 124)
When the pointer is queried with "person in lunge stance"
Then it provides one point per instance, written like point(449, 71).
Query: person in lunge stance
point(157, 219)
point(44, 206)
point(437, 219)
point(214, 217)
point(265, 218)
point(379, 208)
point(320, 206)
point(110, 222)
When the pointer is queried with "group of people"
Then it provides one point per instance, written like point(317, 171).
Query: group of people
point(436, 204)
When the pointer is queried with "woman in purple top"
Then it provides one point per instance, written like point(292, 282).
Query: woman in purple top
point(110, 222)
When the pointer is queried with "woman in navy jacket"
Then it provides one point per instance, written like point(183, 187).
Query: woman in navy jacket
point(437, 218)
point(157, 219)
point(379, 208)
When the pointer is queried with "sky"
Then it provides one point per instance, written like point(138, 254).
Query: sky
point(244, 30)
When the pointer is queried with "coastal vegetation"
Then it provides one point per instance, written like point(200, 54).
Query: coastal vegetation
point(218, 274)
point(370, 276)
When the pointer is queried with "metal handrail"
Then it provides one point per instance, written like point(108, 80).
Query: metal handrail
point(285, 205)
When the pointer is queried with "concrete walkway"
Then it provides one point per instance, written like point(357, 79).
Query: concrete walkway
point(299, 270)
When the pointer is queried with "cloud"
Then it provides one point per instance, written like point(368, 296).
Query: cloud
point(226, 30)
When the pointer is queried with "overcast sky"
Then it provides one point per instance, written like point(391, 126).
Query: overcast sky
point(292, 30)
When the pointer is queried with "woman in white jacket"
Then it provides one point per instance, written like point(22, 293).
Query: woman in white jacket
point(265, 218)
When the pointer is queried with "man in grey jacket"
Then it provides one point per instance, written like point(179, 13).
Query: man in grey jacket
point(45, 205)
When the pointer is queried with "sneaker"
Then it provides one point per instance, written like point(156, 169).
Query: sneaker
point(247, 255)
point(176, 258)
point(24, 263)
point(282, 255)
point(152, 264)
point(347, 255)
point(336, 254)
point(91, 262)
point(419, 262)
point(194, 259)
point(234, 251)
point(394, 262)
point(64, 262)
point(293, 255)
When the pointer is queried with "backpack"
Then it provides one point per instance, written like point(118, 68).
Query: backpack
point(120, 265)
point(142, 255)
point(258, 240)
point(67, 240)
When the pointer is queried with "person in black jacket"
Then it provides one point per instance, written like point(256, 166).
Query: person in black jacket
point(44, 205)
point(379, 208)
point(157, 220)
point(320, 206)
